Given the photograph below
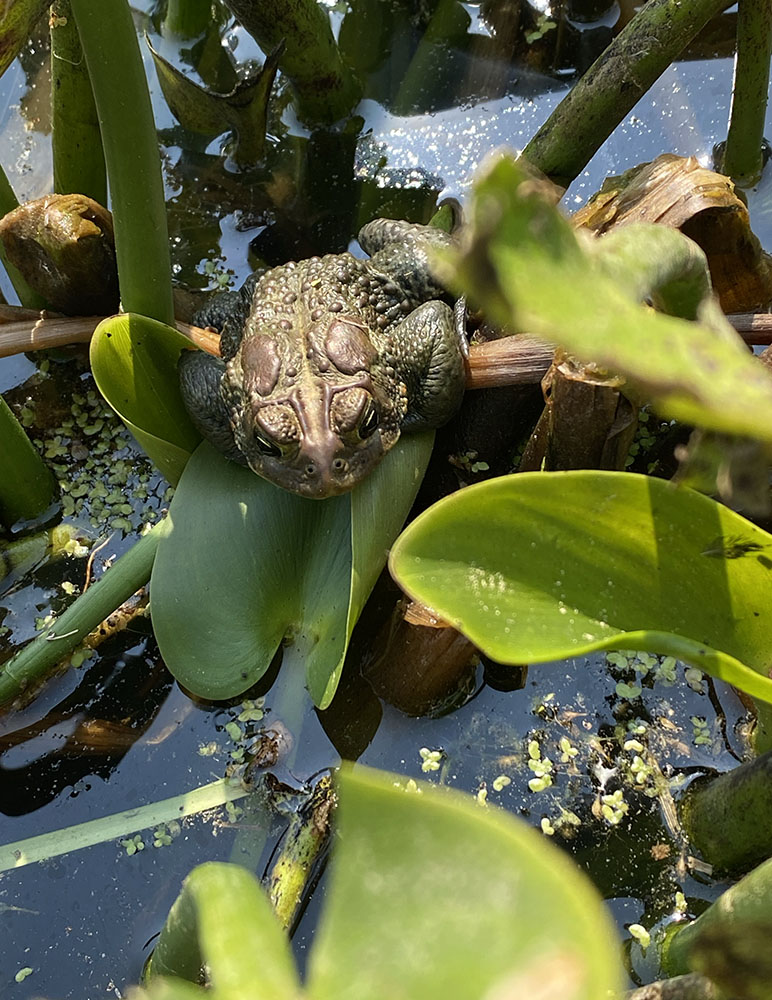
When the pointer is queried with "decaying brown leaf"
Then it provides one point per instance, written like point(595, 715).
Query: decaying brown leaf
point(677, 191)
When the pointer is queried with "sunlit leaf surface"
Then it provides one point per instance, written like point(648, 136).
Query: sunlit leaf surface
point(541, 566)
point(431, 895)
point(134, 360)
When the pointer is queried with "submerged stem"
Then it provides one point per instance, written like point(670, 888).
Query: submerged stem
point(44, 653)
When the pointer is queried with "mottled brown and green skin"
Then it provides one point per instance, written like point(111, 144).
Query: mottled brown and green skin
point(326, 361)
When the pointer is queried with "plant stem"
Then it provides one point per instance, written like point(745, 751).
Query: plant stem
point(8, 202)
point(614, 83)
point(45, 846)
point(79, 162)
point(26, 485)
point(44, 653)
point(129, 140)
point(744, 908)
point(302, 849)
point(187, 18)
point(446, 30)
point(728, 818)
point(325, 87)
point(743, 152)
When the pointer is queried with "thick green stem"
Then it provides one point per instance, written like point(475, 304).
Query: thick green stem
point(446, 30)
point(79, 163)
point(729, 818)
point(26, 485)
point(326, 89)
point(44, 653)
point(742, 912)
point(129, 139)
point(614, 83)
point(187, 18)
point(743, 153)
point(762, 734)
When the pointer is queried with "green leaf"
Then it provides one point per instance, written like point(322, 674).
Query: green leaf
point(542, 566)
point(433, 896)
point(243, 110)
point(261, 564)
point(27, 487)
point(134, 360)
point(223, 916)
point(532, 271)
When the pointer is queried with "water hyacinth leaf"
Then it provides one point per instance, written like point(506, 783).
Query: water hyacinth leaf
point(223, 918)
point(243, 110)
point(262, 564)
point(425, 884)
point(524, 261)
point(134, 361)
point(543, 566)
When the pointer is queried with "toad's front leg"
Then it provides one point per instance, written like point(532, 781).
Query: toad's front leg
point(429, 350)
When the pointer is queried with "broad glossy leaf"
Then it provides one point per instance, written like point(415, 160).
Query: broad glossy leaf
point(546, 565)
point(524, 262)
point(432, 896)
point(134, 360)
point(223, 917)
point(246, 564)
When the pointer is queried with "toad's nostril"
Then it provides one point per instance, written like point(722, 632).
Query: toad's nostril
point(310, 469)
point(339, 465)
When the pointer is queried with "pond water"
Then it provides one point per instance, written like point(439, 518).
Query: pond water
point(117, 733)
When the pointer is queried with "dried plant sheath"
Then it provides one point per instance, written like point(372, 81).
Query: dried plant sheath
point(588, 423)
point(676, 191)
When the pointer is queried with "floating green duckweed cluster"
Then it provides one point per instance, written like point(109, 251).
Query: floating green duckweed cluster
point(430, 759)
point(133, 844)
point(650, 430)
point(243, 728)
point(662, 669)
point(542, 768)
point(613, 807)
point(164, 834)
point(103, 478)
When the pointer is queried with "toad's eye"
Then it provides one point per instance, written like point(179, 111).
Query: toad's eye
point(369, 422)
point(267, 447)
